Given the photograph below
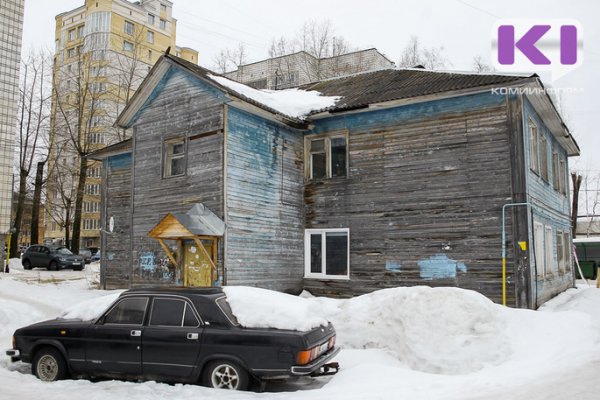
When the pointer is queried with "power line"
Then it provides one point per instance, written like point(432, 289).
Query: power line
point(478, 9)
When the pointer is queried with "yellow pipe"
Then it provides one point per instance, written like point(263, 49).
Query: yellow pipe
point(503, 281)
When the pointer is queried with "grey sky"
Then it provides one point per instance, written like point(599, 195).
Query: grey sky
point(462, 27)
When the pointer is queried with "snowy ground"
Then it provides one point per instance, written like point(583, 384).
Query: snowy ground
point(404, 343)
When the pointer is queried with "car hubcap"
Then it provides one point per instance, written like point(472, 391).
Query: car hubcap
point(225, 377)
point(47, 368)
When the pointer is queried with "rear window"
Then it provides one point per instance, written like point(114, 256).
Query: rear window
point(224, 306)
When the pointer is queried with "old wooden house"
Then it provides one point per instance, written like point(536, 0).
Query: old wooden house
point(403, 179)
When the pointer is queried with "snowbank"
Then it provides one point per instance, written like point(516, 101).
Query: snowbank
point(291, 102)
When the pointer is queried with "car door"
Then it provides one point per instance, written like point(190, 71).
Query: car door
point(114, 342)
point(172, 338)
point(43, 257)
point(32, 255)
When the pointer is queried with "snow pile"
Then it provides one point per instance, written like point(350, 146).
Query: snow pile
point(291, 102)
point(262, 308)
point(441, 330)
point(90, 309)
point(437, 330)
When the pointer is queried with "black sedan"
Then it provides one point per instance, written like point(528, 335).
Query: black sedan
point(173, 335)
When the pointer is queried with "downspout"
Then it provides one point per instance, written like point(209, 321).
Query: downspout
point(504, 247)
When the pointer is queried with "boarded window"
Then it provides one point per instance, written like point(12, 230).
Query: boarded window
point(550, 263)
point(560, 255)
point(174, 158)
point(555, 168)
point(563, 175)
point(538, 237)
point(327, 253)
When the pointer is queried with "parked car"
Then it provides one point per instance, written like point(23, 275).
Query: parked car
point(96, 256)
point(86, 254)
point(51, 257)
point(187, 335)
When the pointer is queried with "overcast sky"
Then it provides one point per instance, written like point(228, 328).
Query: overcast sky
point(463, 28)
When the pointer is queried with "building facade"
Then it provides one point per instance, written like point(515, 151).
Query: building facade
point(412, 177)
point(103, 51)
point(11, 32)
point(301, 68)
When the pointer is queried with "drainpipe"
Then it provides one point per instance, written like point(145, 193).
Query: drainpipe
point(504, 248)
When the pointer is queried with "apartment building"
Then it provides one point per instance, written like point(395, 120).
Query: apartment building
point(11, 32)
point(300, 68)
point(103, 50)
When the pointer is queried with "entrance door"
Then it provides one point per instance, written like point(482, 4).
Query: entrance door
point(197, 267)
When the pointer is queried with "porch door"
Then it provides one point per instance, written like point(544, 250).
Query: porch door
point(197, 268)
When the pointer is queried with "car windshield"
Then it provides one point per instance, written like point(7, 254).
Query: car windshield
point(63, 251)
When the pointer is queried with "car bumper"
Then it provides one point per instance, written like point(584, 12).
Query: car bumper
point(14, 354)
point(314, 367)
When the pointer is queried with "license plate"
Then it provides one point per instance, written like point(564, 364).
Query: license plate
point(76, 263)
point(323, 347)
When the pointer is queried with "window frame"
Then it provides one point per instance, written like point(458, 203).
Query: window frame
point(327, 138)
point(102, 319)
point(162, 24)
point(534, 155)
point(550, 264)
point(307, 256)
point(165, 156)
point(129, 28)
point(539, 249)
point(187, 305)
point(150, 35)
point(125, 45)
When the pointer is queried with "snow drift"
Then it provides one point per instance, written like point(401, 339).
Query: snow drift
point(441, 330)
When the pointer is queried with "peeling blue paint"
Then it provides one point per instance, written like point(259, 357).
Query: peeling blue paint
point(440, 267)
point(393, 266)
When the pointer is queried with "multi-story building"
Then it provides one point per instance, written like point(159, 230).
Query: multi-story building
point(11, 32)
point(301, 68)
point(104, 49)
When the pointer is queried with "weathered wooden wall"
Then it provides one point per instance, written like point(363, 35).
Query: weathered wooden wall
point(184, 107)
point(116, 202)
point(549, 207)
point(265, 224)
point(426, 187)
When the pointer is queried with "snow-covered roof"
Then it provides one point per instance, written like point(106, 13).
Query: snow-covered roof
point(295, 103)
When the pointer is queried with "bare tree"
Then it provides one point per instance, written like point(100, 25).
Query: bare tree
point(32, 125)
point(231, 59)
point(221, 62)
point(479, 65)
point(414, 54)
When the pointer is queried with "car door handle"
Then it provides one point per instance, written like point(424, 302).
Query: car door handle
point(136, 333)
point(192, 336)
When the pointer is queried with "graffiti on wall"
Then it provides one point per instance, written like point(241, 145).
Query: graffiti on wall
point(153, 267)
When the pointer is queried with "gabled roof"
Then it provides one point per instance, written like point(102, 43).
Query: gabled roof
point(198, 221)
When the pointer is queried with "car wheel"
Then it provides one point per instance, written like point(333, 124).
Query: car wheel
point(26, 264)
point(225, 374)
point(53, 266)
point(49, 365)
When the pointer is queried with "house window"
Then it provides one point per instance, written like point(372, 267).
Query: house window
point(174, 158)
point(80, 31)
point(150, 37)
point(560, 254)
point(127, 46)
point(163, 24)
point(71, 52)
point(544, 157)
point(555, 168)
point(327, 253)
point(72, 34)
point(163, 7)
point(567, 250)
point(92, 189)
point(327, 156)
point(550, 265)
point(151, 19)
point(562, 175)
point(538, 237)
point(128, 28)
point(533, 148)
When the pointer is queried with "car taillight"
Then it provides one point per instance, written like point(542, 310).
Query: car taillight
point(303, 357)
point(14, 342)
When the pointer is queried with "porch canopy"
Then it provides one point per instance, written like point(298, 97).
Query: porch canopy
point(198, 224)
